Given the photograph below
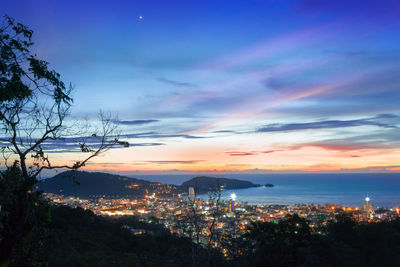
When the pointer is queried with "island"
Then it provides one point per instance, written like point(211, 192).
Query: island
point(203, 184)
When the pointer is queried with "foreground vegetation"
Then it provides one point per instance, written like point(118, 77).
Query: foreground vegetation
point(77, 237)
point(343, 242)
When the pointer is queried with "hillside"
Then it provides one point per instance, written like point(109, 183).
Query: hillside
point(202, 184)
point(77, 237)
point(95, 184)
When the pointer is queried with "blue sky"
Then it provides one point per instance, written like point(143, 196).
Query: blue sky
point(213, 85)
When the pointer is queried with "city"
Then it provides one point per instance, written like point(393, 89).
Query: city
point(203, 220)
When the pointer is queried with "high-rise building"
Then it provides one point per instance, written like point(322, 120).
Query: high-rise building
point(367, 207)
point(231, 206)
point(192, 194)
point(231, 203)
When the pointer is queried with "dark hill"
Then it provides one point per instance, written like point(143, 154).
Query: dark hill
point(95, 184)
point(202, 184)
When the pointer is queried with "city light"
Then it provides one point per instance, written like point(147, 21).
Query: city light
point(171, 211)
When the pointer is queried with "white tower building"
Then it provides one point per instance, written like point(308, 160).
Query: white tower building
point(368, 208)
point(192, 194)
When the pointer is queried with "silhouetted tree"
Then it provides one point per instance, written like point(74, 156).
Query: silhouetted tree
point(202, 227)
point(77, 237)
point(281, 244)
point(214, 213)
point(344, 242)
point(34, 105)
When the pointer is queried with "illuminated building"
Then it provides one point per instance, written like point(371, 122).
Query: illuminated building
point(192, 194)
point(367, 207)
point(231, 204)
point(231, 207)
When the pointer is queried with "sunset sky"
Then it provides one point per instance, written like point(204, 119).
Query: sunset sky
point(230, 86)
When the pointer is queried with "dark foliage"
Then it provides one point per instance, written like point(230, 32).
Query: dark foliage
point(343, 242)
point(77, 237)
point(22, 215)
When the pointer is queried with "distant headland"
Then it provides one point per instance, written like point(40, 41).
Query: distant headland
point(96, 184)
point(203, 184)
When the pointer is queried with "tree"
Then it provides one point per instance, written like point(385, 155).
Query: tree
point(202, 226)
point(281, 244)
point(214, 213)
point(194, 218)
point(34, 107)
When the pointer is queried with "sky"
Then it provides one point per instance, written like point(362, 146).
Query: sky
point(229, 86)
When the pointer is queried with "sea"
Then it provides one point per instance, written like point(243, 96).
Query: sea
point(345, 189)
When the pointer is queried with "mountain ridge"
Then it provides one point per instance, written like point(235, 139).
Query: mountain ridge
point(98, 184)
point(92, 184)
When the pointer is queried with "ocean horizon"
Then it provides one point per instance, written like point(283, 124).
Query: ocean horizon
point(345, 189)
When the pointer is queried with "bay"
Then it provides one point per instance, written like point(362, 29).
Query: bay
point(346, 189)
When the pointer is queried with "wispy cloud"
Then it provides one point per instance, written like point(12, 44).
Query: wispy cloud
point(387, 116)
point(105, 163)
point(175, 83)
point(134, 122)
point(146, 144)
point(340, 146)
point(325, 124)
point(73, 144)
point(271, 151)
point(158, 135)
point(225, 131)
point(252, 153)
point(168, 162)
point(241, 154)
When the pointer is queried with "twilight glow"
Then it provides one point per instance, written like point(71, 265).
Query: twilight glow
point(230, 86)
